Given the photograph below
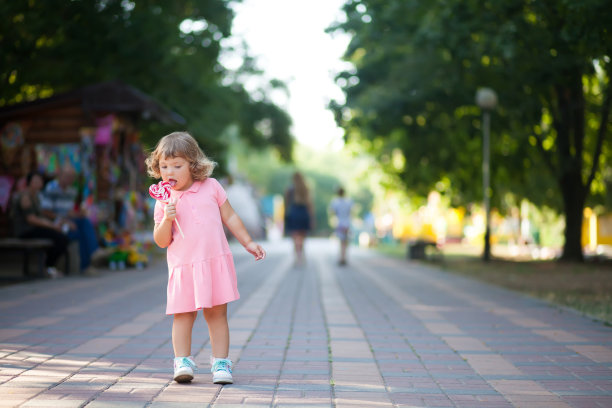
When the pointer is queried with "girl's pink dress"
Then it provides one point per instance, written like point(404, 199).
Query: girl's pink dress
point(201, 271)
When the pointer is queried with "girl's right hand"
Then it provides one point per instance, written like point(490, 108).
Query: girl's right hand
point(170, 211)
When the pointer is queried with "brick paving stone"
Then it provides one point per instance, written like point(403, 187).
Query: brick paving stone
point(381, 332)
point(117, 403)
point(63, 403)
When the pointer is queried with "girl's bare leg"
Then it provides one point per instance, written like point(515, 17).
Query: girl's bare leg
point(182, 327)
point(218, 330)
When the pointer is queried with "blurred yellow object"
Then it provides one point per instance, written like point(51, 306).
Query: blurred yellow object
point(410, 227)
point(604, 229)
point(135, 256)
point(454, 220)
point(596, 230)
point(427, 233)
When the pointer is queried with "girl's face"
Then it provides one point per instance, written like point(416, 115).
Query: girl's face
point(175, 170)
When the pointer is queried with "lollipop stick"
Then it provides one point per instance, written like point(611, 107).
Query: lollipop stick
point(179, 227)
point(177, 223)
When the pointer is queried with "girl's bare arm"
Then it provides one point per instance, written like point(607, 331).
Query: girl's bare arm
point(237, 228)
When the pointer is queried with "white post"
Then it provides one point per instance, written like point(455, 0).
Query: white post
point(486, 180)
point(487, 100)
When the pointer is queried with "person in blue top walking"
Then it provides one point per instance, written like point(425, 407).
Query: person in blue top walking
point(341, 207)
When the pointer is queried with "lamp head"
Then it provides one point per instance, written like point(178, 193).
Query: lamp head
point(486, 98)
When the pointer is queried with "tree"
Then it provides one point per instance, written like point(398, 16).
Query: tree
point(418, 64)
point(170, 50)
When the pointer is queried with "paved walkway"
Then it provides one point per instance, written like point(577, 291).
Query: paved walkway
point(378, 333)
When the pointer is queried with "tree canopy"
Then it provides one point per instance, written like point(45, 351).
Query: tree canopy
point(417, 66)
point(170, 50)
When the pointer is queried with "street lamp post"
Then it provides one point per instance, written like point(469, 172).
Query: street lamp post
point(486, 98)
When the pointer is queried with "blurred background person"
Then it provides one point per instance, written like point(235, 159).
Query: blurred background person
point(341, 207)
point(298, 214)
point(29, 222)
point(244, 201)
point(59, 199)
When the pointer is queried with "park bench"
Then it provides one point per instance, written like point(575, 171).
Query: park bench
point(31, 248)
point(35, 249)
point(423, 249)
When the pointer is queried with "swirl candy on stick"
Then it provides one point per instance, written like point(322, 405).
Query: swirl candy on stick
point(161, 192)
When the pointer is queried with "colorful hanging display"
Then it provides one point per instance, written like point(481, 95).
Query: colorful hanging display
point(11, 139)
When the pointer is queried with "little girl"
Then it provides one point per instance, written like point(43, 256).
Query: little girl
point(200, 265)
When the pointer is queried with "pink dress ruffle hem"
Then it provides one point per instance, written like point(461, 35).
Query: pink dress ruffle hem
point(202, 284)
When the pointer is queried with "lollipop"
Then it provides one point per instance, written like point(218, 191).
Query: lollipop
point(161, 192)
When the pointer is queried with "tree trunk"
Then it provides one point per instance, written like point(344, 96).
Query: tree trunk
point(486, 254)
point(570, 145)
point(573, 205)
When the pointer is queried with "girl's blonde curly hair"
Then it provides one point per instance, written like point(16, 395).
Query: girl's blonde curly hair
point(180, 144)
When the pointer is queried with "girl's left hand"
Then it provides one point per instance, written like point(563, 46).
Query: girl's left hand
point(256, 250)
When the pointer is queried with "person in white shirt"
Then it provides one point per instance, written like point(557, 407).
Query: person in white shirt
point(341, 207)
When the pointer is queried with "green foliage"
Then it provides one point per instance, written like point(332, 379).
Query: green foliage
point(169, 50)
point(410, 97)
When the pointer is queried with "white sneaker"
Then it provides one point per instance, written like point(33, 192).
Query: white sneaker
point(222, 371)
point(183, 369)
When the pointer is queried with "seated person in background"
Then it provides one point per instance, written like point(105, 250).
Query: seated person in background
point(28, 222)
point(59, 198)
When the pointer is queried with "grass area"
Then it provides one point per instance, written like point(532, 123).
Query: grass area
point(585, 287)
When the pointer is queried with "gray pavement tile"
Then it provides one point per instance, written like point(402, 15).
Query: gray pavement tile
point(107, 341)
point(117, 403)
